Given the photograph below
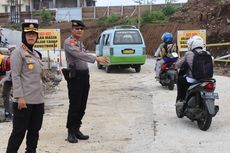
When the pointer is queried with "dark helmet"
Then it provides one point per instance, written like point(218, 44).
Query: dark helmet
point(167, 37)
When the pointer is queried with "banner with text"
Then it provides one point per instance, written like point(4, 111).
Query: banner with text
point(48, 40)
point(184, 35)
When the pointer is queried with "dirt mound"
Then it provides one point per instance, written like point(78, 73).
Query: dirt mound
point(212, 15)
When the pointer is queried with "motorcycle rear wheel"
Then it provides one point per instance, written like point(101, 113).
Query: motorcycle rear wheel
point(171, 86)
point(179, 111)
point(205, 122)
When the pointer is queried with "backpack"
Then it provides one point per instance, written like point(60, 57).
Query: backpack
point(202, 66)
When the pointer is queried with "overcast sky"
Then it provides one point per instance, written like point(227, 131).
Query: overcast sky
point(127, 2)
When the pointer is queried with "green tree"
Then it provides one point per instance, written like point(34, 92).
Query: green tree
point(45, 16)
point(109, 20)
point(152, 17)
point(169, 9)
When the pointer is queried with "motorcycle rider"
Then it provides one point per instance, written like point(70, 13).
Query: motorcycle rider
point(185, 78)
point(167, 51)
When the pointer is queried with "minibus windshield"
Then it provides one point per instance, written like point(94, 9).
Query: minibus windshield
point(127, 37)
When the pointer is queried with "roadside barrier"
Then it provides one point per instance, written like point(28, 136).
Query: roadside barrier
point(218, 44)
point(225, 58)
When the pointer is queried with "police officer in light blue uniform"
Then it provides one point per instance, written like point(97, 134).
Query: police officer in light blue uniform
point(77, 80)
point(26, 71)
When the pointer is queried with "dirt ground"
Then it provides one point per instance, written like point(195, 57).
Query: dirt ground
point(130, 112)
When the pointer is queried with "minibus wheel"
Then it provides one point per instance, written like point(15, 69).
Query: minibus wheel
point(107, 68)
point(137, 68)
point(99, 66)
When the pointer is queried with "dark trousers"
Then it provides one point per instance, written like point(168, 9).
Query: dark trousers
point(30, 120)
point(182, 87)
point(78, 90)
point(6, 95)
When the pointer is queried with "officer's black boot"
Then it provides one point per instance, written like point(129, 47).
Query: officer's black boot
point(80, 135)
point(71, 136)
point(8, 117)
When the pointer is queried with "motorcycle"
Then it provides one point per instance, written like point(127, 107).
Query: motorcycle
point(168, 75)
point(199, 104)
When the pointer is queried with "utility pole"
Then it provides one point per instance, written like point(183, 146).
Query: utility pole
point(30, 7)
point(15, 11)
point(19, 11)
point(139, 12)
point(40, 5)
point(139, 16)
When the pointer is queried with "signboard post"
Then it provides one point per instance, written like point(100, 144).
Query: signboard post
point(48, 53)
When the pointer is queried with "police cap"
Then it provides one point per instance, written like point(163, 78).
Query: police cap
point(30, 27)
point(78, 23)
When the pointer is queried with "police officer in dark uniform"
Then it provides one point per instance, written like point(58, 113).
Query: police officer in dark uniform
point(77, 80)
point(26, 71)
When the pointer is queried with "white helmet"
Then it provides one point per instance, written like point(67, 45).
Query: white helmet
point(195, 42)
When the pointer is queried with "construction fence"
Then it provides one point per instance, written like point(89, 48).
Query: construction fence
point(92, 12)
point(127, 11)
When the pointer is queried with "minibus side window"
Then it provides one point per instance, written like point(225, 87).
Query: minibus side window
point(107, 40)
point(103, 40)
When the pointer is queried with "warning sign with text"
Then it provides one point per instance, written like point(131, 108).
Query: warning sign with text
point(48, 39)
point(184, 35)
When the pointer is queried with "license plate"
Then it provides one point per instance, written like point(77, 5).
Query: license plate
point(128, 51)
point(210, 95)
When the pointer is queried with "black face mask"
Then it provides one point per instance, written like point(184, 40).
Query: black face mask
point(30, 47)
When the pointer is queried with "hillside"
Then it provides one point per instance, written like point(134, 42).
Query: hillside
point(212, 15)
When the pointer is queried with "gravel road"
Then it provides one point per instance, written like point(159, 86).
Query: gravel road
point(130, 112)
